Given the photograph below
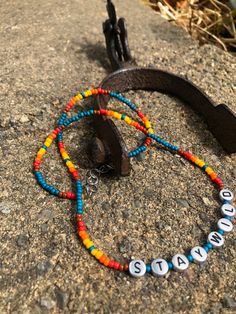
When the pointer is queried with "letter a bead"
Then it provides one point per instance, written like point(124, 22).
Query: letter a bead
point(180, 262)
point(159, 267)
point(137, 268)
point(215, 239)
point(225, 225)
point(226, 195)
point(199, 254)
point(228, 210)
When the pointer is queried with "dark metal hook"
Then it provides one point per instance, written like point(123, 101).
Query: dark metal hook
point(116, 35)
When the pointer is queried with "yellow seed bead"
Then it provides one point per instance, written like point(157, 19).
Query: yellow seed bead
point(80, 97)
point(69, 164)
point(117, 115)
point(89, 244)
point(48, 142)
point(127, 119)
point(148, 124)
point(42, 151)
point(201, 163)
point(151, 131)
point(86, 241)
point(65, 155)
point(93, 252)
point(209, 170)
point(197, 161)
point(89, 92)
point(98, 254)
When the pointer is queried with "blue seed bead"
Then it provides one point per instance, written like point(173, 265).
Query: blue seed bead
point(190, 258)
point(226, 202)
point(210, 246)
point(220, 231)
point(91, 248)
point(170, 265)
point(228, 217)
point(206, 248)
point(45, 147)
point(204, 167)
point(148, 268)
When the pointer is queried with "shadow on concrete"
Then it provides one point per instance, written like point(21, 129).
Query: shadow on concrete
point(96, 53)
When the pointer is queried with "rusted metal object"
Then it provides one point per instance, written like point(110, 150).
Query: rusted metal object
point(220, 119)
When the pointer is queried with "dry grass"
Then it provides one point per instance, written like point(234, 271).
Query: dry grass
point(206, 20)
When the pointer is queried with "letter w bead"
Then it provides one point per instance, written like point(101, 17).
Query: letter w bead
point(216, 239)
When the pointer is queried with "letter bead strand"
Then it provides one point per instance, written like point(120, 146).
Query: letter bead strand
point(137, 268)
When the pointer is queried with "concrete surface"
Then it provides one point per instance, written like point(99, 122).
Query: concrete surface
point(50, 49)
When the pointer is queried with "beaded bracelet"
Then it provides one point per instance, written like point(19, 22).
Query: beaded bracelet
point(137, 268)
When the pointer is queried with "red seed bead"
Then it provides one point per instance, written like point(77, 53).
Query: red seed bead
point(111, 264)
point(82, 228)
point(121, 267)
point(126, 267)
point(116, 265)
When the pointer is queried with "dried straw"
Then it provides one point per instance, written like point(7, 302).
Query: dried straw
point(206, 20)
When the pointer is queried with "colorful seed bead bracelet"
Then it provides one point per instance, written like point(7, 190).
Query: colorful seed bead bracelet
point(137, 268)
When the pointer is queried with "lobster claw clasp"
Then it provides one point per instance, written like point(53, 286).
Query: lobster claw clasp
point(116, 35)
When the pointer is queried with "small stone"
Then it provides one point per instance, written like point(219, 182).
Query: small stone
point(43, 268)
point(149, 193)
point(50, 251)
point(24, 119)
point(160, 225)
point(206, 201)
point(182, 202)
point(44, 228)
point(46, 214)
point(22, 240)
point(106, 206)
point(125, 213)
point(56, 102)
point(61, 297)
point(137, 203)
point(47, 302)
point(5, 208)
point(125, 246)
point(229, 303)
point(141, 157)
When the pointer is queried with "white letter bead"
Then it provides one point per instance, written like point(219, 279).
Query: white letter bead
point(159, 267)
point(199, 254)
point(228, 210)
point(137, 268)
point(226, 195)
point(225, 225)
point(180, 262)
point(215, 239)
